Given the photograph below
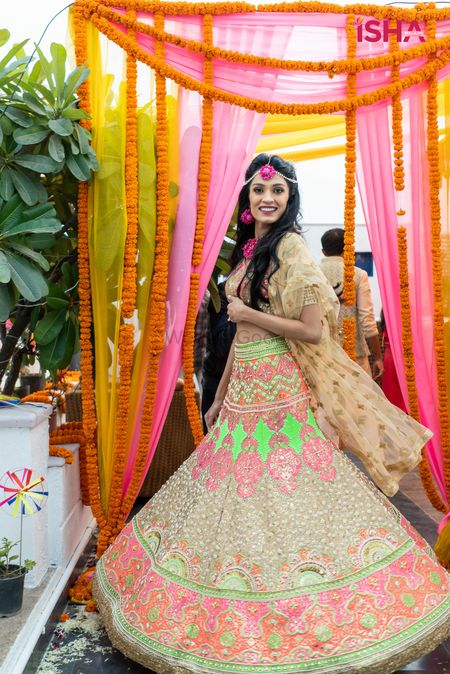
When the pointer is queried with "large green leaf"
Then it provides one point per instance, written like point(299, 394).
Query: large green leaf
point(78, 166)
point(57, 298)
point(83, 140)
point(40, 241)
point(27, 279)
point(25, 186)
point(55, 354)
point(34, 104)
point(12, 212)
point(74, 79)
point(6, 184)
point(32, 254)
point(61, 126)
point(50, 326)
point(30, 136)
point(46, 69)
point(18, 116)
point(5, 271)
point(15, 49)
point(56, 148)
point(36, 162)
point(73, 113)
point(58, 63)
point(38, 225)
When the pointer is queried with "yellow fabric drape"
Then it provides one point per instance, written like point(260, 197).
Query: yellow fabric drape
point(108, 225)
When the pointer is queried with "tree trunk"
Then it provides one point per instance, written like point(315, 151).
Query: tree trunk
point(14, 371)
point(9, 345)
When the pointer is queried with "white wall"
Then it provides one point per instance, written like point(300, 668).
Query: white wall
point(322, 197)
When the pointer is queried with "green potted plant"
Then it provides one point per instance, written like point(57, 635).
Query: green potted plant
point(12, 578)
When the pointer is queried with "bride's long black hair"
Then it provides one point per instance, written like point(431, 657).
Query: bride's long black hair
point(265, 252)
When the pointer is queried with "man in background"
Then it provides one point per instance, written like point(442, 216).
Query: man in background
point(367, 337)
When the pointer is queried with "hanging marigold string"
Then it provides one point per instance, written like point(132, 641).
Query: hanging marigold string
point(128, 304)
point(209, 91)
point(397, 117)
point(408, 358)
point(156, 333)
point(349, 323)
point(438, 312)
point(203, 191)
point(84, 289)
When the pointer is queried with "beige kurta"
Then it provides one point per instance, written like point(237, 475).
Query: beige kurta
point(348, 403)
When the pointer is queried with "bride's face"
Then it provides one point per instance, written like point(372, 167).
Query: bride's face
point(268, 199)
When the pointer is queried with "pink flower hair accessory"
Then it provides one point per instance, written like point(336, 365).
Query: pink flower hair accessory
point(267, 172)
point(247, 217)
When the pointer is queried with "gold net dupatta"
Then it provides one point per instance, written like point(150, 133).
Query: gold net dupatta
point(347, 403)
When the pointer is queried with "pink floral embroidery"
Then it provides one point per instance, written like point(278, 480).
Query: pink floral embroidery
point(250, 443)
point(220, 466)
point(295, 610)
point(275, 419)
point(214, 606)
point(317, 454)
point(300, 411)
point(404, 567)
point(278, 439)
point(375, 585)
point(283, 465)
point(248, 469)
point(180, 598)
point(338, 600)
point(252, 613)
point(249, 422)
point(205, 452)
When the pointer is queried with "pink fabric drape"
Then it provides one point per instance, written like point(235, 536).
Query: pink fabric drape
point(380, 208)
point(309, 37)
point(235, 134)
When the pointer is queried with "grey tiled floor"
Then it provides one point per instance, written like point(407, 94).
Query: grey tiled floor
point(88, 651)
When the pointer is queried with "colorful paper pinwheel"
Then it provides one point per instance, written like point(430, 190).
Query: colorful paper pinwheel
point(24, 492)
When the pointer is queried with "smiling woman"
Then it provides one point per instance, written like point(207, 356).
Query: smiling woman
point(268, 548)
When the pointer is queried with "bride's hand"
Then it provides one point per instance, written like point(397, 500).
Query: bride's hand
point(236, 310)
point(212, 414)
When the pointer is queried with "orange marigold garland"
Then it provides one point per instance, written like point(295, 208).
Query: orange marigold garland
point(84, 288)
point(348, 65)
point(203, 191)
point(156, 333)
point(72, 432)
point(327, 107)
point(62, 452)
point(349, 324)
point(443, 551)
point(128, 306)
point(408, 358)
point(397, 118)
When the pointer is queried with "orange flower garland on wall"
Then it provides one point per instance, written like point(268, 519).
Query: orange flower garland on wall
point(84, 288)
point(349, 323)
point(203, 190)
